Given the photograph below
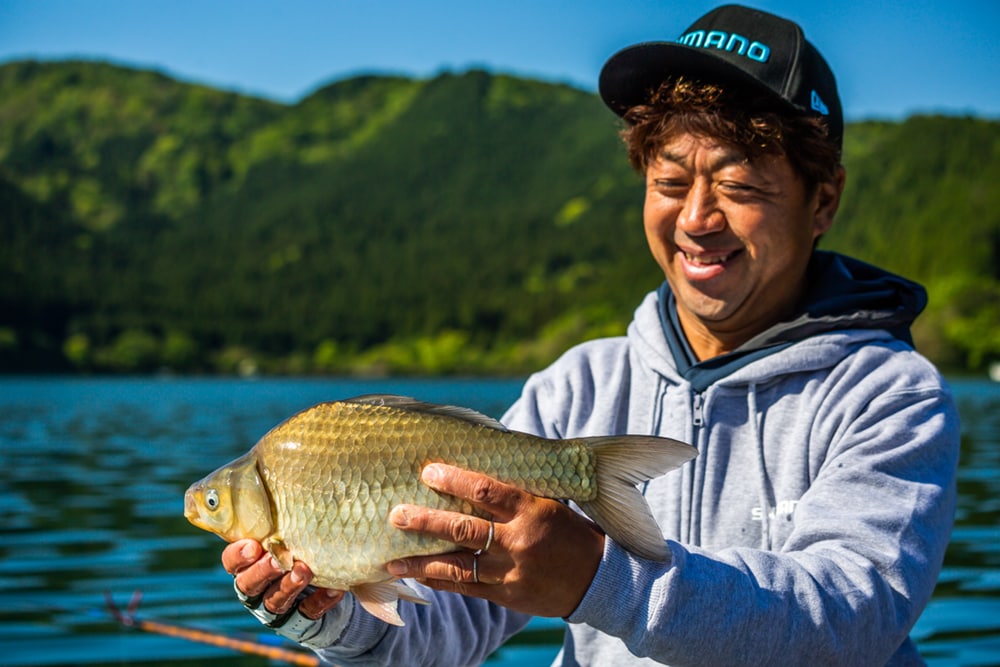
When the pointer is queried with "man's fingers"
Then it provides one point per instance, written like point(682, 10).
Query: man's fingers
point(282, 594)
point(483, 538)
point(465, 531)
point(240, 555)
point(460, 568)
point(319, 602)
point(257, 573)
point(258, 577)
point(499, 499)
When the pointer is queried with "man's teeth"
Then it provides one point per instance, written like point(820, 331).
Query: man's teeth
point(715, 259)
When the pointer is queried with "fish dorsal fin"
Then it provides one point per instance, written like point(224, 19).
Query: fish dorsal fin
point(413, 405)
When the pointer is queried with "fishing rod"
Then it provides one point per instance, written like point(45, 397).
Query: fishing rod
point(129, 619)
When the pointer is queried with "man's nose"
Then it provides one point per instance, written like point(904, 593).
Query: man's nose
point(701, 213)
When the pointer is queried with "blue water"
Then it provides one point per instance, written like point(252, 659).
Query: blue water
point(92, 472)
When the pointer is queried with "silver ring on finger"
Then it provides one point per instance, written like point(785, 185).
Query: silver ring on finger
point(489, 540)
point(475, 567)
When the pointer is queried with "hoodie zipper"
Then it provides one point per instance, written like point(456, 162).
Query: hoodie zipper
point(698, 410)
point(698, 421)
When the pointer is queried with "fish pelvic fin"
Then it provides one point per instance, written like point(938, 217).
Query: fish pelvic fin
point(277, 548)
point(619, 507)
point(380, 599)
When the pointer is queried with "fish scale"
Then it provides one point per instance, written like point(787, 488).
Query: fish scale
point(319, 487)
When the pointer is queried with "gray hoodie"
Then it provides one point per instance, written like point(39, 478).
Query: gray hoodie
point(810, 529)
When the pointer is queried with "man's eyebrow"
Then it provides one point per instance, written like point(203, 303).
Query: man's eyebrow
point(727, 159)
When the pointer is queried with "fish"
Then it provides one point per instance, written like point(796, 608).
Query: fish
point(319, 486)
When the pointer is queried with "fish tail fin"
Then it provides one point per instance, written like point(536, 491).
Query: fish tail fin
point(379, 599)
point(619, 508)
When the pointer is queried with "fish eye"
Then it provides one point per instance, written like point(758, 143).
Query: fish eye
point(212, 499)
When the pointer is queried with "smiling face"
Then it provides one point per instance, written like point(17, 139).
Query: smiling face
point(732, 236)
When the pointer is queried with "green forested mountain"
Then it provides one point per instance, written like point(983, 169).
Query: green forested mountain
point(468, 222)
point(922, 200)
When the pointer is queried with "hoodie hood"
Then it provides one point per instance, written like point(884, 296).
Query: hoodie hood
point(842, 293)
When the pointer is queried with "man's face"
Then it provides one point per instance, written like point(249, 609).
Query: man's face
point(732, 237)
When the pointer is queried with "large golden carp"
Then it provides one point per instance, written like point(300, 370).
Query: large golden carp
point(319, 486)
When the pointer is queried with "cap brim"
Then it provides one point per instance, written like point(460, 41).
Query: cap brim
point(630, 76)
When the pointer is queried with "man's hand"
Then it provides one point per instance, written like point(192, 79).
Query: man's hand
point(541, 559)
point(257, 573)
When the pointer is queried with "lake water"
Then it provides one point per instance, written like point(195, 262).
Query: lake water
point(92, 472)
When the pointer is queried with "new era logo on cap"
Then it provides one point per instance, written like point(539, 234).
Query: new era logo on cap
point(816, 102)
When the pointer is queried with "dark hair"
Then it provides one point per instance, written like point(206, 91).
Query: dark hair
point(754, 123)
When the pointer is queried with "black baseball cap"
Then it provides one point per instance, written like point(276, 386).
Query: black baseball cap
point(730, 44)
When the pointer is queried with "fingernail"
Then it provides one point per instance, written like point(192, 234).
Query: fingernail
point(249, 550)
point(399, 517)
point(397, 568)
point(431, 474)
point(300, 574)
point(275, 564)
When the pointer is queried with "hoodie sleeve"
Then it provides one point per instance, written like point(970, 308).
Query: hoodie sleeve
point(453, 630)
point(849, 581)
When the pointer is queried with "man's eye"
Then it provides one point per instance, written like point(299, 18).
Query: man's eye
point(738, 187)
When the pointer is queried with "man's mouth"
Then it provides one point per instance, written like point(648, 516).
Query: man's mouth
point(709, 259)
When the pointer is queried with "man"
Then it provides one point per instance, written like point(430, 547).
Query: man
point(812, 526)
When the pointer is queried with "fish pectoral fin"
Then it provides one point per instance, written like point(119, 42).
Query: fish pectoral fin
point(277, 548)
point(380, 599)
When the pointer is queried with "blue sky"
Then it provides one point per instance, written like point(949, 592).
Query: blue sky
point(892, 58)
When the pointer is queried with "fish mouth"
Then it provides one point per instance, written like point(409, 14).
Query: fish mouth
point(191, 512)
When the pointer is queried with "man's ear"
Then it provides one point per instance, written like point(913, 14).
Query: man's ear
point(827, 201)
